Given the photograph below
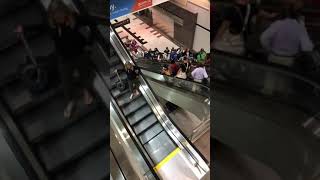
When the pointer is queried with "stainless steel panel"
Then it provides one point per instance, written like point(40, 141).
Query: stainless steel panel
point(160, 147)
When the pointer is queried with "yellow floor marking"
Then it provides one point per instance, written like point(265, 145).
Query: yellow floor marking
point(167, 159)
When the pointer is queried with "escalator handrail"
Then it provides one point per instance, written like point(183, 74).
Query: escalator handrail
point(269, 67)
point(179, 79)
point(182, 81)
point(164, 118)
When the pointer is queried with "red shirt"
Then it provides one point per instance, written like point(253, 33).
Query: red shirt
point(174, 68)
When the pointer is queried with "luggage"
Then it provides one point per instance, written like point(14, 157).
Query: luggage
point(37, 73)
point(120, 85)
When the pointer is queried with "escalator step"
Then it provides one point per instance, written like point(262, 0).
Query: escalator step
point(125, 100)
point(139, 115)
point(116, 93)
point(115, 79)
point(151, 133)
point(160, 147)
point(74, 142)
point(118, 67)
point(41, 45)
point(92, 167)
point(134, 106)
point(21, 100)
point(114, 60)
point(48, 119)
point(145, 124)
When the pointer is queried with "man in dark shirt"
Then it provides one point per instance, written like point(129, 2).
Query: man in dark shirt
point(236, 21)
point(236, 15)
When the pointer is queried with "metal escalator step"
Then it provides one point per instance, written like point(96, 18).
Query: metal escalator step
point(118, 67)
point(134, 106)
point(145, 124)
point(48, 119)
point(125, 100)
point(151, 133)
point(139, 108)
point(114, 60)
point(139, 115)
point(160, 147)
point(116, 93)
point(92, 167)
point(74, 142)
point(21, 100)
point(115, 79)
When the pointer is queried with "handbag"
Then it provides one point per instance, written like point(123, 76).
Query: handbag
point(234, 43)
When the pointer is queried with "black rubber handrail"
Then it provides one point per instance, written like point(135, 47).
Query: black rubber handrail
point(269, 67)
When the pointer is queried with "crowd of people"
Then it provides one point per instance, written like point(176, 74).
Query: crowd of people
point(284, 40)
point(180, 63)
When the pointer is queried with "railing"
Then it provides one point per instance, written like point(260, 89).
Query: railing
point(280, 84)
point(186, 85)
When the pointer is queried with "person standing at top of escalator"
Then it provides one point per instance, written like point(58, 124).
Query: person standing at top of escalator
point(167, 53)
point(186, 63)
point(72, 47)
point(133, 81)
point(201, 56)
point(173, 67)
point(199, 74)
point(284, 40)
point(182, 73)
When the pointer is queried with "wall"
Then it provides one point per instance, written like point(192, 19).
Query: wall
point(202, 32)
point(162, 21)
point(202, 29)
point(184, 29)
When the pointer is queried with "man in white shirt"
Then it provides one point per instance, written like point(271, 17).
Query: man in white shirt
point(199, 73)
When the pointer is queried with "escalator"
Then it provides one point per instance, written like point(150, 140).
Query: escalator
point(286, 122)
point(186, 94)
point(61, 149)
point(143, 118)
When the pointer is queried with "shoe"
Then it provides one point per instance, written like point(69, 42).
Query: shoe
point(137, 93)
point(88, 99)
point(69, 110)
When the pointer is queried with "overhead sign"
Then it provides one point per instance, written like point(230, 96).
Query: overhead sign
point(123, 7)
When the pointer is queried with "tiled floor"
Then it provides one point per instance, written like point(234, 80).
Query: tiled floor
point(153, 38)
point(203, 145)
point(186, 121)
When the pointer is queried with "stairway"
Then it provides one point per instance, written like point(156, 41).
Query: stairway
point(74, 149)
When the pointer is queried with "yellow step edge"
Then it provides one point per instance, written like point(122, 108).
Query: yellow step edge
point(167, 159)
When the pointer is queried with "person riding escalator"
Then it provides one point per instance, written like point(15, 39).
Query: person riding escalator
point(72, 47)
